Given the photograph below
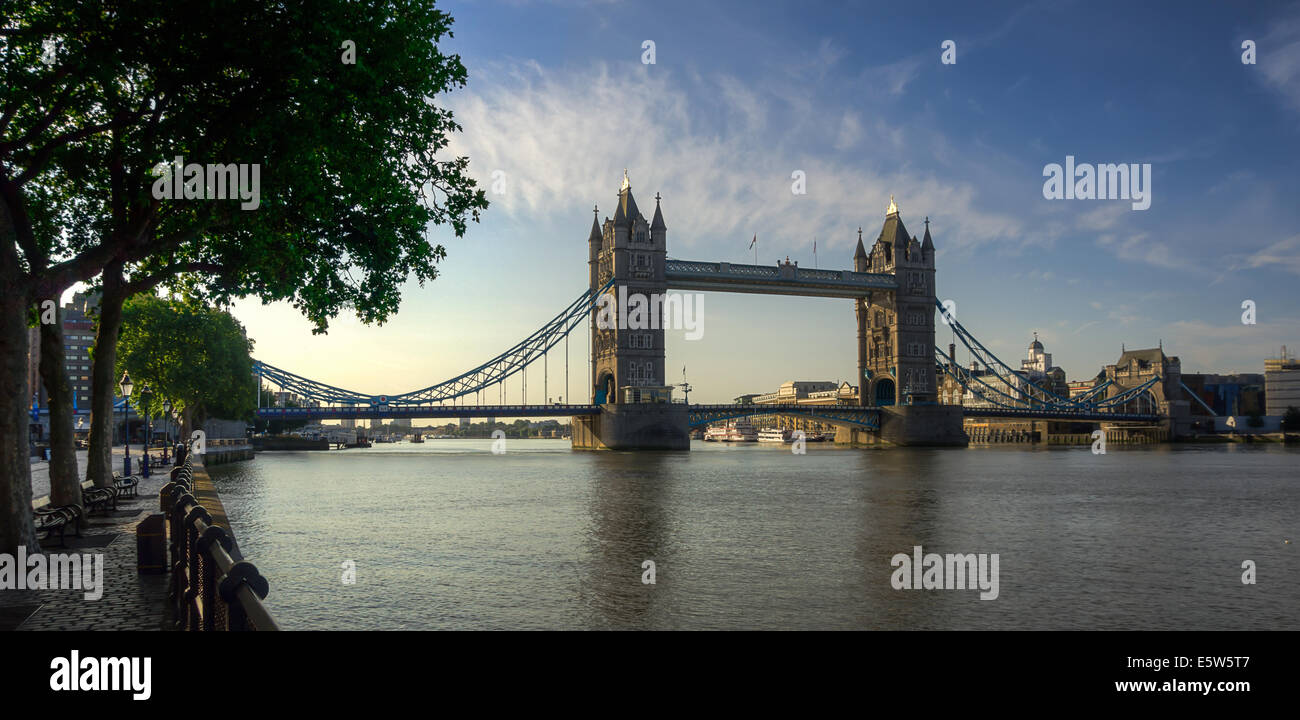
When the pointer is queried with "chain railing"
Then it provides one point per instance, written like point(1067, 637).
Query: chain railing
point(212, 586)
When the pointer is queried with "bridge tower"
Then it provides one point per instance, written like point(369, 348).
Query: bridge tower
point(628, 354)
point(896, 328)
point(896, 367)
point(627, 334)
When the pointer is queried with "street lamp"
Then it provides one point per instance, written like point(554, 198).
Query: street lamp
point(166, 413)
point(125, 384)
point(146, 393)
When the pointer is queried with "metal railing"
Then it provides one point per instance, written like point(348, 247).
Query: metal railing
point(212, 586)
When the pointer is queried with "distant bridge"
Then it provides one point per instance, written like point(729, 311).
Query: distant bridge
point(867, 417)
point(1003, 392)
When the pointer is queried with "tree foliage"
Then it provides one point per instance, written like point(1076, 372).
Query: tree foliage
point(1291, 419)
point(196, 357)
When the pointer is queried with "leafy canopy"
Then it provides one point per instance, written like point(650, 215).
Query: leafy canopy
point(188, 353)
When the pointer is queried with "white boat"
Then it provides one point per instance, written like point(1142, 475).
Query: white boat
point(774, 435)
point(716, 433)
point(742, 431)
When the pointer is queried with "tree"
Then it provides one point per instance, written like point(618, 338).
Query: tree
point(347, 156)
point(195, 356)
point(1291, 419)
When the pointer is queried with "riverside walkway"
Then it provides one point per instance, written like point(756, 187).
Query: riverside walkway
point(130, 601)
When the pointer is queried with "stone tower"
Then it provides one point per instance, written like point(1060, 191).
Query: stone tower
point(896, 328)
point(628, 355)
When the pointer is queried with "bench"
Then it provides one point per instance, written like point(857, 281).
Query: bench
point(98, 498)
point(50, 519)
point(126, 486)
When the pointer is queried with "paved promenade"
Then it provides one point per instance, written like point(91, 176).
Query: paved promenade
point(41, 470)
point(130, 601)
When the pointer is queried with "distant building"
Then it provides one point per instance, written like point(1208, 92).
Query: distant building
point(1281, 383)
point(1166, 397)
point(802, 392)
point(78, 339)
point(1225, 395)
point(1038, 380)
point(793, 391)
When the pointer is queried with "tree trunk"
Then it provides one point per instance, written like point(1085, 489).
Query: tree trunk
point(65, 485)
point(103, 383)
point(15, 466)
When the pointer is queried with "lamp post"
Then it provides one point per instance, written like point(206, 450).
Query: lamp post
point(125, 384)
point(176, 420)
point(166, 414)
point(146, 394)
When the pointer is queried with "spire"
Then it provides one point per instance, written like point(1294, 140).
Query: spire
point(594, 237)
point(627, 211)
point(861, 252)
point(927, 243)
point(658, 222)
point(892, 209)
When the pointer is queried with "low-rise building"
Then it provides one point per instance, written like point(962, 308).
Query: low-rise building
point(1281, 384)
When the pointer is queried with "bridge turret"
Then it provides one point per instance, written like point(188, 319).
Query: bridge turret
point(927, 246)
point(593, 248)
point(860, 261)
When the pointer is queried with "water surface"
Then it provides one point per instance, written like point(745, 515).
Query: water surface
point(445, 534)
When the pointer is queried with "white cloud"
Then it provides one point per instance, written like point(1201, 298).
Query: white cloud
point(1283, 254)
point(1278, 59)
point(1144, 249)
point(712, 147)
point(850, 131)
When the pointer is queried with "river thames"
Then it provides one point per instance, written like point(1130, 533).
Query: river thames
point(447, 535)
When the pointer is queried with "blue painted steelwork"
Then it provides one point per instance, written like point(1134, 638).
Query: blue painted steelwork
point(773, 279)
point(1080, 415)
point(496, 370)
point(1010, 405)
point(855, 415)
point(1043, 400)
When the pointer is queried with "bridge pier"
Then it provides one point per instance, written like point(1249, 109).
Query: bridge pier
point(912, 426)
point(633, 426)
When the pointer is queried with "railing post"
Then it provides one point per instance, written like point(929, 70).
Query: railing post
point(240, 574)
point(214, 615)
point(194, 565)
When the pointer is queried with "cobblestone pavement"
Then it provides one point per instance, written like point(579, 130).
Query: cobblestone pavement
point(130, 601)
point(41, 470)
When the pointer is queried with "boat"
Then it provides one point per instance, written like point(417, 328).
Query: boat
point(774, 435)
point(738, 431)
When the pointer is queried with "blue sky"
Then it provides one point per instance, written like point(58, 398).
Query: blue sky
point(855, 95)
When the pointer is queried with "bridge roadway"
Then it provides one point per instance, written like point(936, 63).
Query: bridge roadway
point(699, 414)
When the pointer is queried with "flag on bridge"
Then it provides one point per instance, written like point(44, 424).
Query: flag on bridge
point(751, 242)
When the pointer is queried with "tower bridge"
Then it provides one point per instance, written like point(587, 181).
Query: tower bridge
point(891, 285)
